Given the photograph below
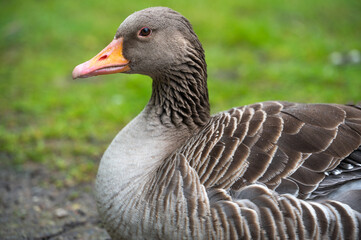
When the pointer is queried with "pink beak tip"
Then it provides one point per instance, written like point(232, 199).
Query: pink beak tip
point(78, 71)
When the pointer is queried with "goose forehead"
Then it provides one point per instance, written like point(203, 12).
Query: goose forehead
point(150, 17)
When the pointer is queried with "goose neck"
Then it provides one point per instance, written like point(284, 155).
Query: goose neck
point(181, 98)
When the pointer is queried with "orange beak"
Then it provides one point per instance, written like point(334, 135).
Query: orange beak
point(109, 60)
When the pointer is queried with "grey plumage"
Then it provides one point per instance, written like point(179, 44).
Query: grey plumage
point(271, 141)
point(271, 170)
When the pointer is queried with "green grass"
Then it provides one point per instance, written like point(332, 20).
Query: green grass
point(256, 51)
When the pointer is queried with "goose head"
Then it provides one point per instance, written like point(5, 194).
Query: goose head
point(159, 42)
point(149, 42)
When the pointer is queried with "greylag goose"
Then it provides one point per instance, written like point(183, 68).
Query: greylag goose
point(271, 170)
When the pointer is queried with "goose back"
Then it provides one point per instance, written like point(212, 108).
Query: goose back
point(290, 147)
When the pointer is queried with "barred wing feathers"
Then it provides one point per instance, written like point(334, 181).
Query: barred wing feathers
point(289, 147)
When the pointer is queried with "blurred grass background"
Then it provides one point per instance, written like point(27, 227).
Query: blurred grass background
point(256, 51)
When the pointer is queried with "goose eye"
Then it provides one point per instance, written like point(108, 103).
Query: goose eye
point(144, 32)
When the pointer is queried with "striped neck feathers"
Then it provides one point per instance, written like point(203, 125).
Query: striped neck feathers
point(180, 93)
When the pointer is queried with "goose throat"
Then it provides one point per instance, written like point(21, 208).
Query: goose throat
point(180, 94)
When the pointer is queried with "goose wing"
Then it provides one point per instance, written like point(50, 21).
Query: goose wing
point(290, 147)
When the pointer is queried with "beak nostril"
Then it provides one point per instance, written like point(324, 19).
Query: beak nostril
point(103, 57)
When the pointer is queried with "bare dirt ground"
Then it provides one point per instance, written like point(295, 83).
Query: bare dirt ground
point(33, 207)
